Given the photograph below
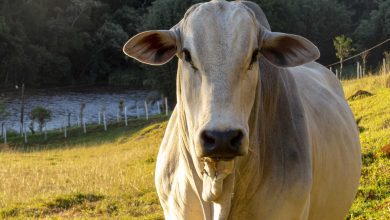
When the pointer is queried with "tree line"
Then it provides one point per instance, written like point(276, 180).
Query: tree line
point(45, 43)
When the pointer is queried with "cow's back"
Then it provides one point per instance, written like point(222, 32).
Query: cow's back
point(334, 141)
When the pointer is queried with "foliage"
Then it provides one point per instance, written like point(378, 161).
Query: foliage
point(319, 21)
point(41, 116)
point(373, 29)
point(49, 43)
point(343, 47)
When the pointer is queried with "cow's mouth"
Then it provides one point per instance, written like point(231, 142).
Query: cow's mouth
point(214, 173)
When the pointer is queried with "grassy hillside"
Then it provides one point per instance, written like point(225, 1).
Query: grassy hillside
point(372, 113)
point(110, 174)
point(101, 175)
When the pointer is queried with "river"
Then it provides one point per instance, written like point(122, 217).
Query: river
point(60, 103)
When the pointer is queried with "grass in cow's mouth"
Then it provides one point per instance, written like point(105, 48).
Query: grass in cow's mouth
point(224, 158)
point(216, 159)
point(107, 175)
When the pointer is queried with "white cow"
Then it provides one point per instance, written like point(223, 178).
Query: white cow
point(260, 131)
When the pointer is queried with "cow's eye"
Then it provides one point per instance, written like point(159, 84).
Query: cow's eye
point(254, 58)
point(188, 58)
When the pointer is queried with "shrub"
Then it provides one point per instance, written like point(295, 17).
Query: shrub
point(41, 116)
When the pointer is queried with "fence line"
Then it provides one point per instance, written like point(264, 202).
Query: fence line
point(349, 58)
point(81, 123)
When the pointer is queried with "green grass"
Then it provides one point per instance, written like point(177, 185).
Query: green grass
point(99, 175)
point(373, 116)
point(105, 175)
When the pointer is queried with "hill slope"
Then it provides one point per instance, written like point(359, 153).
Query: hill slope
point(372, 113)
point(112, 176)
point(103, 179)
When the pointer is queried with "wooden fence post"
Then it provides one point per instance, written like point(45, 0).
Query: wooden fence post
point(104, 121)
point(146, 111)
point(126, 116)
point(158, 107)
point(45, 133)
point(138, 110)
point(357, 70)
point(21, 130)
point(65, 132)
point(5, 134)
point(166, 106)
point(84, 127)
point(25, 135)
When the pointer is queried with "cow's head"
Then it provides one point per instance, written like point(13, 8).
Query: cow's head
point(218, 45)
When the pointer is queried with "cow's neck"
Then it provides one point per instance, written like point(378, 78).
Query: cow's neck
point(273, 88)
point(275, 116)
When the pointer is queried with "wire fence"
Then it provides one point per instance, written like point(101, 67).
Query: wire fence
point(360, 62)
point(123, 118)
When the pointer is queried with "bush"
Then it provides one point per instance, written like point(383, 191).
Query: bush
point(41, 116)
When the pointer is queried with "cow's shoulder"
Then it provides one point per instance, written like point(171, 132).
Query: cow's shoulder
point(313, 77)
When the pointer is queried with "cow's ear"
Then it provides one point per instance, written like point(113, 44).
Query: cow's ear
point(152, 47)
point(287, 50)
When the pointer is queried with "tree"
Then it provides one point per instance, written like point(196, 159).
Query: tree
point(373, 30)
point(46, 43)
point(319, 21)
point(41, 116)
point(343, 47)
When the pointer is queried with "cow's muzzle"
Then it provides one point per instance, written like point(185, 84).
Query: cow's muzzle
point(221, 145)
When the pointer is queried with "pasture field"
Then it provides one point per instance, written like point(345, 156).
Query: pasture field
point(372, 113)
point(106, 175)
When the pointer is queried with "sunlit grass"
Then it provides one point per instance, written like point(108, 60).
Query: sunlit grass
point(114, 178)
point(373, 117)
point(110, 174)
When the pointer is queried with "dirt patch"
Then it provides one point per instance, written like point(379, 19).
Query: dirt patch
point(359, 95)
point(386, 150)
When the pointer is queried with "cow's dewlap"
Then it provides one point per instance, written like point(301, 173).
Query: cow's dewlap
point(213, 177)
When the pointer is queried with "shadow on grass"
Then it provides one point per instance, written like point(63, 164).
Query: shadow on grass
point(76, 138)
point(56, 206)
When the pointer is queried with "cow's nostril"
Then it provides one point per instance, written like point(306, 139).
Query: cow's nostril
point(221, 144)
point(237, 138)
point(208, 139)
